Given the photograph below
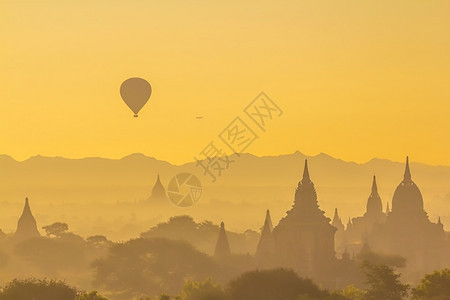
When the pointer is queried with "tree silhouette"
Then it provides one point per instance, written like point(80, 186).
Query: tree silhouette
point(434, 286)
point(36, 289)
point(375, 258)
point(205, 290)
point(383, 283)
point(352, 292)
point(151, 266)
point(98, 241)
point(273, 285)
point(53, 256)
point(94, 295)
point(56, 229)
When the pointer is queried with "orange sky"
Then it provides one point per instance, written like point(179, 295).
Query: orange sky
point(355, 79)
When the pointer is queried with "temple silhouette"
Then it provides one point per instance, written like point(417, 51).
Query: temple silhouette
point(360, 228)
point(304, 238)
point(266, 245)
point(222, 249)
point(306, 241)
point(407, 230)
point(325, 250)
point(158, 196)
point(26, 226)
point(340, 238)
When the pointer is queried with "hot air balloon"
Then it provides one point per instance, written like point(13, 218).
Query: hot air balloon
point(135, 92)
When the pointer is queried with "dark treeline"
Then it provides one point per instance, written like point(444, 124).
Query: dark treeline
point(164, 264)
point(169, 262)
point(382, 283)
point(181, 259)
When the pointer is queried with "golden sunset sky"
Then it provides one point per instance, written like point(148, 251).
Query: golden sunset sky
point(355, 79)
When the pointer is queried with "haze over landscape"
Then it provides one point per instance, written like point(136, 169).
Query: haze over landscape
point(237, 150)
point(108, 191)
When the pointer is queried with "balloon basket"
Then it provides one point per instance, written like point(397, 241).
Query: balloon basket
point(135, 115)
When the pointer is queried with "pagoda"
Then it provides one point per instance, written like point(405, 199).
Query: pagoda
point(26, 226)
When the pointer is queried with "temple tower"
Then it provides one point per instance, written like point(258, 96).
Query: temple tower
point(26, 226)
point(222, 246)
point(337, 221)
point(408, 231)
point(407, 203)
point(158, 194)
point(265, 249)
point(374, 206)
point(304, 238)
point(340, 240)
point(362, 226)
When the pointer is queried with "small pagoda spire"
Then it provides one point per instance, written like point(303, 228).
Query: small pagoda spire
point(407, 176)
point(337, 222)
point(374, 186)
point(268, 221)
point(158, 193)
point(439, 223)
point(306, 172)
point(336, 216)
point(349, 223)
point(26, 226)
point(26, 208)
point(222, 245)
point(158, 181)
point(374, 204)
point(266, 243)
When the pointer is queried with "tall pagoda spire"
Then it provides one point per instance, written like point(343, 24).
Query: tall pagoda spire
point(306, 172)
point(266, 244)
point(374, 205)
point(439, 224)
point(407, 176)
point(337, 222)
point(158, 195)
point(304, 238)
point(26, 226)
point(222, 245)
point(336, 218)
point(268, 221)
point(305, 203)
point(349, 224)
point(374, 186)
point(407, 200)
point(158, 188)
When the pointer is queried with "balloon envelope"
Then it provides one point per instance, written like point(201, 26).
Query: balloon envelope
point(135, 92)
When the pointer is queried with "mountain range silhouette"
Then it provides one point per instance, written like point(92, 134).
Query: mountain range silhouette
point(251, 182)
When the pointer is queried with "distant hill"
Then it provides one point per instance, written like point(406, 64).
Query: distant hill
point(247, 188)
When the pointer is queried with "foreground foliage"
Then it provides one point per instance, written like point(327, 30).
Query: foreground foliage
point(384, 283)
point(151, 266)
point(44, 289)
point(275, 284)
point(434, 286)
